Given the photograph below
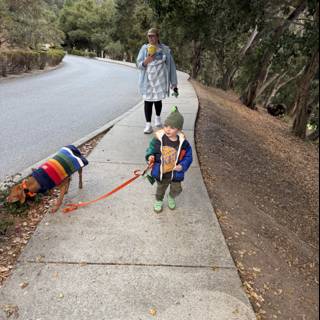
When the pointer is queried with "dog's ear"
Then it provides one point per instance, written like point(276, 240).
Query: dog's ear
point(17, 194)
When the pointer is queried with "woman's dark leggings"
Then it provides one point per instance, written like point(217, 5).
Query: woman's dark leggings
point(148, 109)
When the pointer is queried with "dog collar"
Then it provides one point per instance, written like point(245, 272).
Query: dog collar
point(26, 190)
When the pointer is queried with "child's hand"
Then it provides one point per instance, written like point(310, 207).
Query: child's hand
point(178, 168)
point(151, 161)
point(148, 59)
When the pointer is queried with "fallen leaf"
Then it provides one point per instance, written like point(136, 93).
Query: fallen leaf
point(4, 269)
point(10, 310)
point(153, 312)
point(23, 285)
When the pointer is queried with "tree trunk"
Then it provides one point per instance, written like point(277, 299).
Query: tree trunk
point(302, 108)
point(196, 59)
point(274, 91)
point(251, 93)
point(266, 84)
point(280, 84)
point(231, 71)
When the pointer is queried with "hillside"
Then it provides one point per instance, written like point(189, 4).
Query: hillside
point(263, 183)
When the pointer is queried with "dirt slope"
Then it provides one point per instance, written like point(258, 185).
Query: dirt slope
point(263, 183)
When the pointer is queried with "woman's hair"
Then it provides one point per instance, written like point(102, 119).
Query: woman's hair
point(154, 31)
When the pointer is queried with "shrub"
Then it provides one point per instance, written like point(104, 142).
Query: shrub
point(83, 53)
point(19, 60)
point(114, 50)
point(77, 52)
point(55, 56)
point(92, 54)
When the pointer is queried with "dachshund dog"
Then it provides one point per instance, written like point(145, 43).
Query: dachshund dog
point(56, 172)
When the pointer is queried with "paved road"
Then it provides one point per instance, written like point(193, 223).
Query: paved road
point(41, 113)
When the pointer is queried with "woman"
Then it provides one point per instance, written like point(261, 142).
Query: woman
point(157, 74)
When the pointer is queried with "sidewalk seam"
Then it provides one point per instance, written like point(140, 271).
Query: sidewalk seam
point(84, 263)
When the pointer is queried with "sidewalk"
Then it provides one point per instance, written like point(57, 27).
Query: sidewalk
point(117, 260)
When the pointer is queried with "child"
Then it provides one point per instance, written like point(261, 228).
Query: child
point(171, 156)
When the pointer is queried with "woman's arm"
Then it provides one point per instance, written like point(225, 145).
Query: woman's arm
point(141, 57)
point(173, 72)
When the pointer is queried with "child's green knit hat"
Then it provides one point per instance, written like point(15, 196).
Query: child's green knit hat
point(175, 119)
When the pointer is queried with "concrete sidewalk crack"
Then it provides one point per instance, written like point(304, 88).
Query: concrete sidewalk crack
point(123, 264)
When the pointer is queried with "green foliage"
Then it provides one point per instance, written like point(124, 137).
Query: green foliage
point(132, 19)
point(114, 50)
point(87, 23)
point(83, 53)
point(54, 56)
point(19, 60)
point(10, 208)
point(28, 23)
point(4, 225)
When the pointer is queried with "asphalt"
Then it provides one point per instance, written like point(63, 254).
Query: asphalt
point(43, 112)
point(117, 259)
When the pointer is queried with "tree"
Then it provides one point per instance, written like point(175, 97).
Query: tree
point(250, 95)
point(28, 23)
point(87, 23)
point(192, 21)
point(302, 108)
point(132, 20)
point(3, 23)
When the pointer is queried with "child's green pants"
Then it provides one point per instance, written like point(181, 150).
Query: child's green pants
point(175, 188)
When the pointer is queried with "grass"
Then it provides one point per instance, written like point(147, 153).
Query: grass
point(11, 208)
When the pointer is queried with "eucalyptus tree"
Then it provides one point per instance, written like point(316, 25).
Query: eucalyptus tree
point(28, 23)
point(304, 101)
point(87, 23)
point(131, 21)
point(250, 95)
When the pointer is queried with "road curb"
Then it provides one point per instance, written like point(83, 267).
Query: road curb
point(123, 63)
point(26, 172)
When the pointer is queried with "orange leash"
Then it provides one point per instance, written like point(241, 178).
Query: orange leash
point(74, 206)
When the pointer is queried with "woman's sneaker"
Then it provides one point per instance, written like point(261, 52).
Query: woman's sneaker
point(171, 202)
point(158, 206)
point(157, 122)
point(148, 129)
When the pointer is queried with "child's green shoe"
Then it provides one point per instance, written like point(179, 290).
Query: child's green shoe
point(158, 206)
point(171, 202)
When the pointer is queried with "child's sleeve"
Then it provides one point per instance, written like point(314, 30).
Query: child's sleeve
point(152, 149)
point(187, 159)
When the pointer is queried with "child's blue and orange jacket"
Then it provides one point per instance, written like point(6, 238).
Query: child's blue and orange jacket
point(184, 156)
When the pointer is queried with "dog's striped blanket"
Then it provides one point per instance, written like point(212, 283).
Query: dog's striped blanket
point(67, 161)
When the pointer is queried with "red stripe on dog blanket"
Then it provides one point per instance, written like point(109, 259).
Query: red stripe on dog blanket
point(52, 173)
